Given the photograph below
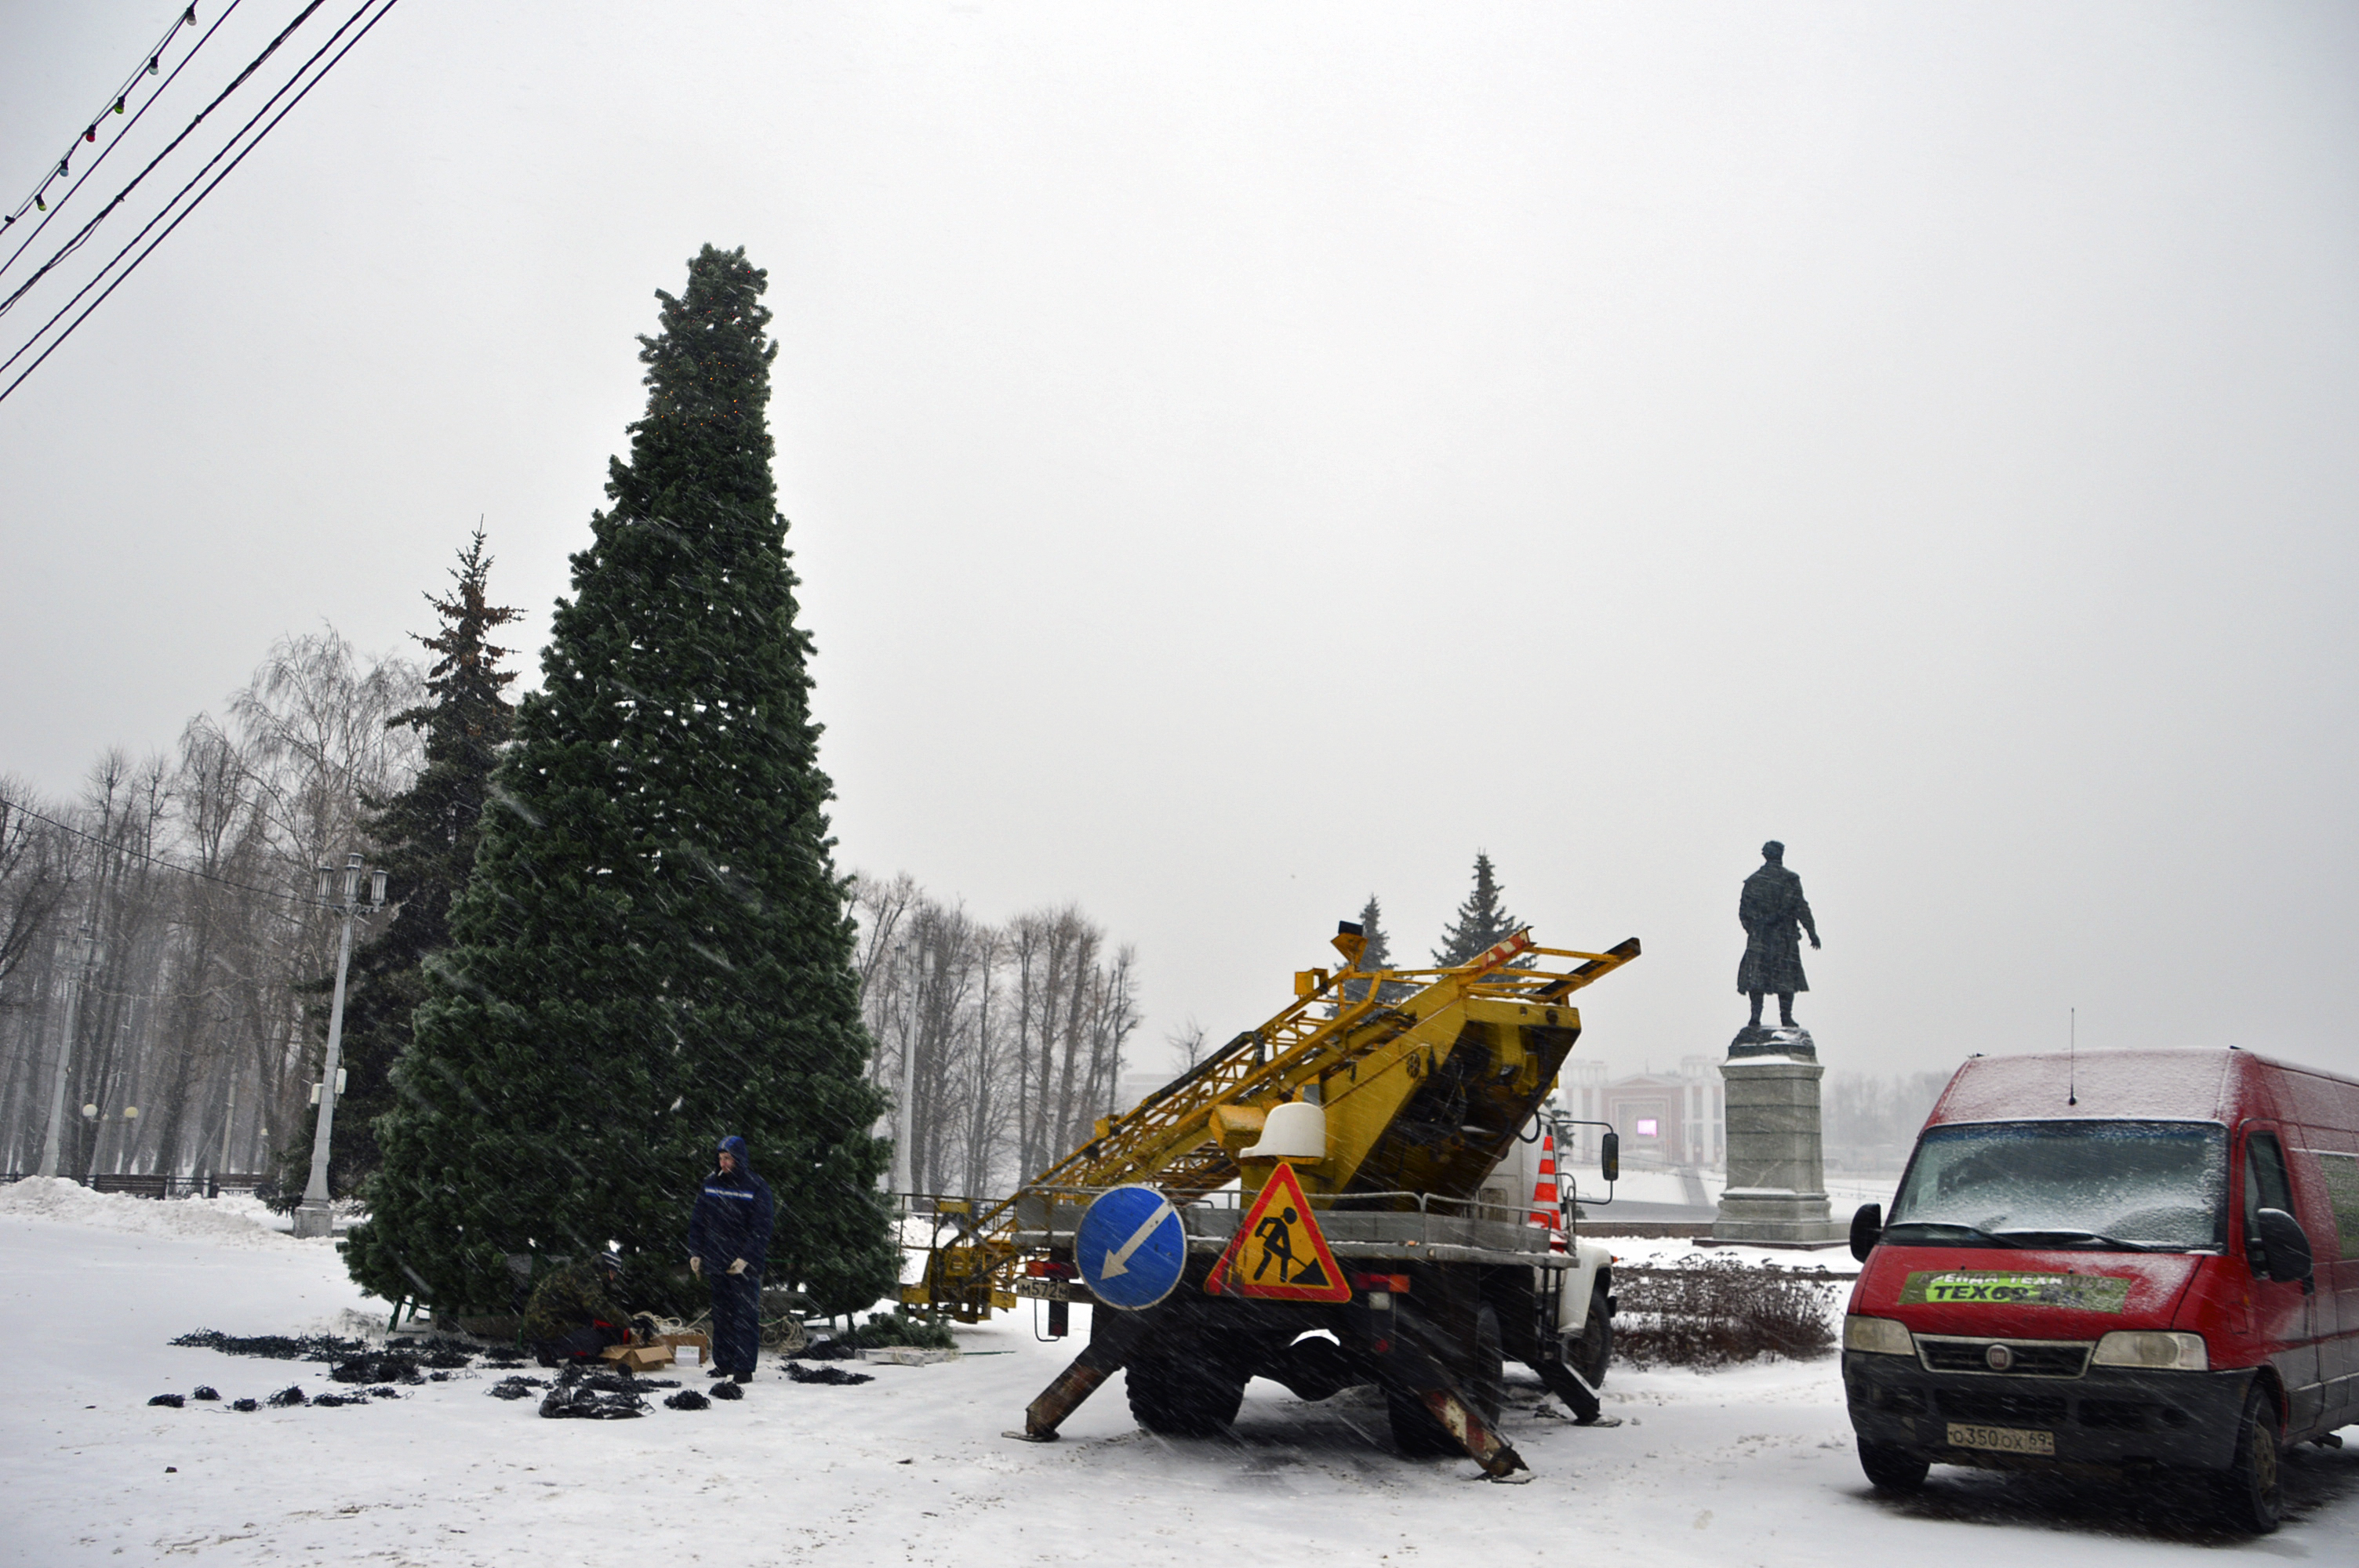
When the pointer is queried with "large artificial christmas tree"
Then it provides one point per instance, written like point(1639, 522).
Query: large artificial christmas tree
point(1482, 921)
point(654, 950)
point(425, 837)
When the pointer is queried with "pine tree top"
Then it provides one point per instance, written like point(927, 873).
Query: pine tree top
point(701, 454)
point(1377, 954)
point(1483, 921)
point(465, 682)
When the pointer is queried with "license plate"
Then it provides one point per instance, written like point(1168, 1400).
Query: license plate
point(2003, 1439)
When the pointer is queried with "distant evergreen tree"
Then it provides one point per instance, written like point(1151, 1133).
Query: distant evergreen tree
point(426, 839)
point(654, 949)
point(1483, 921)
point(1377, 955)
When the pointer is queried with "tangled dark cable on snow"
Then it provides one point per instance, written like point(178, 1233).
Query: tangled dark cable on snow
point(585, 1395)
point(384, 1366)
point(274, 1346)
point(439, 1350)
point(424, 1350)
point(515, 1388)
point(688, 1399)
point(587, 1403)
point(827, 1375)
point(172, 1402)
point(286, 1398)
point(727, 1392)
point(825, 1351)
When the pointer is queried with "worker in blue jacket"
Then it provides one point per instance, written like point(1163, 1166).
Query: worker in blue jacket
point(728, 1243)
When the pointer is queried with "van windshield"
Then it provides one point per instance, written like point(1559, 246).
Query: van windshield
point(2137, 1186)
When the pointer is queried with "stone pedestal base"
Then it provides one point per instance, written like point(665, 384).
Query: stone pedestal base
point(1776, 1192)
point(1777, 1219)
point(314, 1220)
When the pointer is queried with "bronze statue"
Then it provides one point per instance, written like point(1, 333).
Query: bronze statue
point(1773, 913)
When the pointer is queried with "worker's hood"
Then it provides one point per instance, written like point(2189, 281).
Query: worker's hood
point(736, 1149)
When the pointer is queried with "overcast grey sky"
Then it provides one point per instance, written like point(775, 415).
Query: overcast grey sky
point(1245, 457)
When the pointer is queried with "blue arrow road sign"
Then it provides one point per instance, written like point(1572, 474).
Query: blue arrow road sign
point(1131, 1247)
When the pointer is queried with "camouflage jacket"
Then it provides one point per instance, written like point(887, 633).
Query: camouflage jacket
point(571, 1298)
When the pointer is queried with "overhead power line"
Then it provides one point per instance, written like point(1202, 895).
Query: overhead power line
point(316, 79)
point(49, 213)
point(22, 809)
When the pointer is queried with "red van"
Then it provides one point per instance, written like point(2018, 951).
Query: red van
point(2128, 1262)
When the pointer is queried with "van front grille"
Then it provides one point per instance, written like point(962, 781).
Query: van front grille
point(2026, 1358)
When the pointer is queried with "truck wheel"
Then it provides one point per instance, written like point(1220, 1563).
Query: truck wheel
point(1593, 1351)
point(1184, 1395)
point(1479, 1370)
point(1486, 1368)
point(1415, 1432)
point(1892, 1470)
point(2250, 1495)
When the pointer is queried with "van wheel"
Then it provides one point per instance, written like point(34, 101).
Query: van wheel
point(2250, 1497)
point(1891, 1469)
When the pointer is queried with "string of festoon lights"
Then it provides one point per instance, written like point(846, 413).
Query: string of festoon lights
point(150, 64)
point(183, 203)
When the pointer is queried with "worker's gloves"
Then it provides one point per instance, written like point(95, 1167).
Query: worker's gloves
point(696, 1267)
point(738, 1267)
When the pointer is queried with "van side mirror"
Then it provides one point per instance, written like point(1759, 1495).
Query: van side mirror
point(1609, 1156)
point(1866, 1230)
point(2285, 1247)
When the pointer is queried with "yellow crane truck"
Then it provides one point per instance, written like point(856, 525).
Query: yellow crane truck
point(1316, 1203)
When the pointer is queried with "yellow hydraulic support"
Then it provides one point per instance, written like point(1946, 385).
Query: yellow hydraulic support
point(1422, 1094)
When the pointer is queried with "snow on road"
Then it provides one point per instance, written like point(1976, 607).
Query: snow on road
point(1746, 1466)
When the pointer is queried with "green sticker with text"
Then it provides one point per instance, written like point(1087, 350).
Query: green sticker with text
point(2081, 1293)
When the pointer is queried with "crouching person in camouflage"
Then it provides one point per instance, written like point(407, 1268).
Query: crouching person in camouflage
point(575, 1312)
point(728, 1243)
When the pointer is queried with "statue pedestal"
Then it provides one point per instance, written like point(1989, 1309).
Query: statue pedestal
point(1777, 1193)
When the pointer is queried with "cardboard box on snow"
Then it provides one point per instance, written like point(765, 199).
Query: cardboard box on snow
point(671, 1342)
point(639, 1357)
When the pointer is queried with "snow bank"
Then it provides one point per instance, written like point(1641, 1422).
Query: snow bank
point(238, 1221)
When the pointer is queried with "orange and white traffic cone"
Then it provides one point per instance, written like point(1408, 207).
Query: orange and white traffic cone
point(1543, 1198)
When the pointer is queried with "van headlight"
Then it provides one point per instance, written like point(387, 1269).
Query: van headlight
point(2153, 1350)
point(1880, 1336)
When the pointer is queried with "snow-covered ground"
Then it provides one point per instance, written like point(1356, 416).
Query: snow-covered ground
point(1749, 1465)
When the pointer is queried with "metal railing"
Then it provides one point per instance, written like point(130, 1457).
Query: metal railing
point(138, 1186)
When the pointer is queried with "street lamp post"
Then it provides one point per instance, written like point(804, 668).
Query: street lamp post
point(313, 1217)
point(65, 1058)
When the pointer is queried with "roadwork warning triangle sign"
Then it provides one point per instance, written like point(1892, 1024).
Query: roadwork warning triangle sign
point(1278, 1253)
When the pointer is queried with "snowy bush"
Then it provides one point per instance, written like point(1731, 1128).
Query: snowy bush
point(1711, 1312)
